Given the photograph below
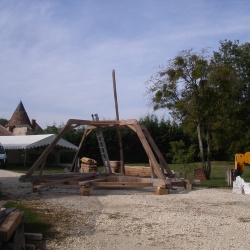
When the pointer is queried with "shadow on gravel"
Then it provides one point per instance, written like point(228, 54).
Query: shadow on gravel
point(65, 207)
point(69, 213)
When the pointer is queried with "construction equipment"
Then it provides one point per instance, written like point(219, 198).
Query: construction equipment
point(240, 161)
point(102, 146)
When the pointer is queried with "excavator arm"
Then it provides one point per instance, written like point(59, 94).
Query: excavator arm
point(240, 161)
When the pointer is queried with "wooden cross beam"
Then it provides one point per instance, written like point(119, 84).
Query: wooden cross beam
point(144, 136)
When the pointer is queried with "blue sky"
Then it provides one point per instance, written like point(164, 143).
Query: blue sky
point(57, 56)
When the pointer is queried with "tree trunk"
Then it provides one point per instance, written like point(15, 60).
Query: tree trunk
point(208, 163)
point(201, 146)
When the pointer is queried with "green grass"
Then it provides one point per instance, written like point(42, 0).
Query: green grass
point(218, 172)
point(34, 221)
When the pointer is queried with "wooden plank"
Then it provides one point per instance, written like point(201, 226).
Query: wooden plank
point(37, 179)
point(19, 239)
point(121, 184)
point(123, 178)
point(6, 211)
point(33, 236)
point(63, 181)
point(86, 183)
point(64, 178)
point(9, 225)
point(137, 171)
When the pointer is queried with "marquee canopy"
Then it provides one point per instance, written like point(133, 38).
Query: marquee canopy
point(33, 141)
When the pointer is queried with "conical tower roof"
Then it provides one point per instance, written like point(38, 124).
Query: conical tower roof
point(19, 117)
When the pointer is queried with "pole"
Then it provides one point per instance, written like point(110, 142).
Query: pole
point(115, 95)
point(118, 131)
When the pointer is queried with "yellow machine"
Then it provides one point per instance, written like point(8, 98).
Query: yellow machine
point(240, 161)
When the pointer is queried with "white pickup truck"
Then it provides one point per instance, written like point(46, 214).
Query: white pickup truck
point(3, 157)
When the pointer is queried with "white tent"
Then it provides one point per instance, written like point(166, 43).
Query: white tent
point(32, 141)
point(23, 149)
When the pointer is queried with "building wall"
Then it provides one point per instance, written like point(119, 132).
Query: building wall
point(22, 131)
point(57, 157)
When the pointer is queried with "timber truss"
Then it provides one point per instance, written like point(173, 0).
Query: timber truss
point(88, 180)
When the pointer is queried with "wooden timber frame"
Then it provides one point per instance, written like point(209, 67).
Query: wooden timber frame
point(87, 180)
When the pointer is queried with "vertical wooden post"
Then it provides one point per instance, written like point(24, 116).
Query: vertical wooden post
point(229, 176)
point(118, 131)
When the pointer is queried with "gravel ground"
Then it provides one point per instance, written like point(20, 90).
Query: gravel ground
point(139, 219)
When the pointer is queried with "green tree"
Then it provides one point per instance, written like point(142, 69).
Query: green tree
point(73, 135)
point(234, 120)
point(53, 129)
point(184, 88)
point(209, 94)
point(183, 155)
point(3, 122)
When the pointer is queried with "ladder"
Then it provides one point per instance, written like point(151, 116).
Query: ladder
point(102, 146)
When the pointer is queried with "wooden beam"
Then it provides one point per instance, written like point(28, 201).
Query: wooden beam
point(63, 181)
point(86, 183)
point(124, 178)
point(33, 236)
point(120, 184)
point(45, 153)
point(149, 152)
point(9, 225)
point(156, 150)
point(118, 131)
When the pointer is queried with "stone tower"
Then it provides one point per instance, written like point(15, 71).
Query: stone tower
point(19, 123)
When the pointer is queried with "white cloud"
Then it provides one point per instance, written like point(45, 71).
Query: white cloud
point(58, 56)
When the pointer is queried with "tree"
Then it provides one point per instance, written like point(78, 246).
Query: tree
point(235, 118)
point(72, 135)
point(184, 88)
point(183, 155)
point(3, 122)
point(53, 129)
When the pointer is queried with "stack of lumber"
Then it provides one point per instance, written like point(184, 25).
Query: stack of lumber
point(199, 174)
point(12, 235)
point(138, 171)
point(88, 165)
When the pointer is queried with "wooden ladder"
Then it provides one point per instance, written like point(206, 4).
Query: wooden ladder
point(102, 146)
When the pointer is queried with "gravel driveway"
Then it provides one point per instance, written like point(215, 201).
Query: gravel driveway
point(139, 219)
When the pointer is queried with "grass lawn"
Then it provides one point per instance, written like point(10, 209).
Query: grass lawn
point(218, 172)
point(34, 222)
